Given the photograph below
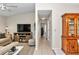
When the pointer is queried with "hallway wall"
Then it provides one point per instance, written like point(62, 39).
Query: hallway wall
point(58, 9)
point(50, 30)
point(39, 28)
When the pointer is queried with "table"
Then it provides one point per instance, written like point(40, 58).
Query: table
point(18, 49)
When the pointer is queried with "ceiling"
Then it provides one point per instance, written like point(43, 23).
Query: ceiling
point(21, 8)
point(44, 13)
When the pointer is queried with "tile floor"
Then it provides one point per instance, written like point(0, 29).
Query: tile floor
point(43, 48)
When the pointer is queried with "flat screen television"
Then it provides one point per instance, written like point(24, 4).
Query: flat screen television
point(23, 27)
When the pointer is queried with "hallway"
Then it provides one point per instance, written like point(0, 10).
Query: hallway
point(44, 48)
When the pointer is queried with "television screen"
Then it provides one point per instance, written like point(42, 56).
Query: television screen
point(23, 27)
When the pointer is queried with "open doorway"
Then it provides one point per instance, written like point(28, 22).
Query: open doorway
point(45, 19)
point(44, 32)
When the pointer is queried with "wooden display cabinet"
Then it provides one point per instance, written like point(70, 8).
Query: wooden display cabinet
point(70, 33)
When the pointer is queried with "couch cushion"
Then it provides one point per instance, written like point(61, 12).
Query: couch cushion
point(4, 41)
point(1, 47)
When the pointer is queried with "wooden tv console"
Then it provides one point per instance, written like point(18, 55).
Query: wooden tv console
point(22, 36)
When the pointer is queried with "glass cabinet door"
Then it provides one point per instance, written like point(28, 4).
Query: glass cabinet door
point(71, 26)
point(78, 26)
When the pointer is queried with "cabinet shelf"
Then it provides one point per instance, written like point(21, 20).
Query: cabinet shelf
point(70, 44)
point(71, 23)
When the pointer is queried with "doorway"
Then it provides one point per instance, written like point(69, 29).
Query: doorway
point(44, 31)
point(45, 20)
point(45, 27)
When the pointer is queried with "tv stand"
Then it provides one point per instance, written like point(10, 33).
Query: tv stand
point(22, 36)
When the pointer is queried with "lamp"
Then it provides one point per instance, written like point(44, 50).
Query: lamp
point(6, 28)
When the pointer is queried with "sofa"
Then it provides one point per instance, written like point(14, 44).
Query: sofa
point(6, 44)
point(5, 41)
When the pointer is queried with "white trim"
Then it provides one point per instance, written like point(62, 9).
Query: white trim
point(58, 51)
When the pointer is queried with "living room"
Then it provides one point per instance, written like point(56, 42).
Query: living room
point(62, 32)
point(14, 18)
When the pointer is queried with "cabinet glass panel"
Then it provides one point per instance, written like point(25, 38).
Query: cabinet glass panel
point(71, 26)
point(78, 27)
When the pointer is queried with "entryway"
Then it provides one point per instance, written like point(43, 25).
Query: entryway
point(44, 33)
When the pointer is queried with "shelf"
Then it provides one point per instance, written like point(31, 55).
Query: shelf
point(22, 36)
point(71, 30)
point(71, 23)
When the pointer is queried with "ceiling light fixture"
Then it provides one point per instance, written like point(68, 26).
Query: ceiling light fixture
point(4, 7)
point(43, 18)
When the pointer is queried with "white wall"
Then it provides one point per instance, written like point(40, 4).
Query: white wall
point(45, 30)
point(37, 29)
point(12, 21)
point(58, 9)
point(49, 27)
point(2, 23)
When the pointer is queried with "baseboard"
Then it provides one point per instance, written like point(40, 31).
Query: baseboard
point(58, 51)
